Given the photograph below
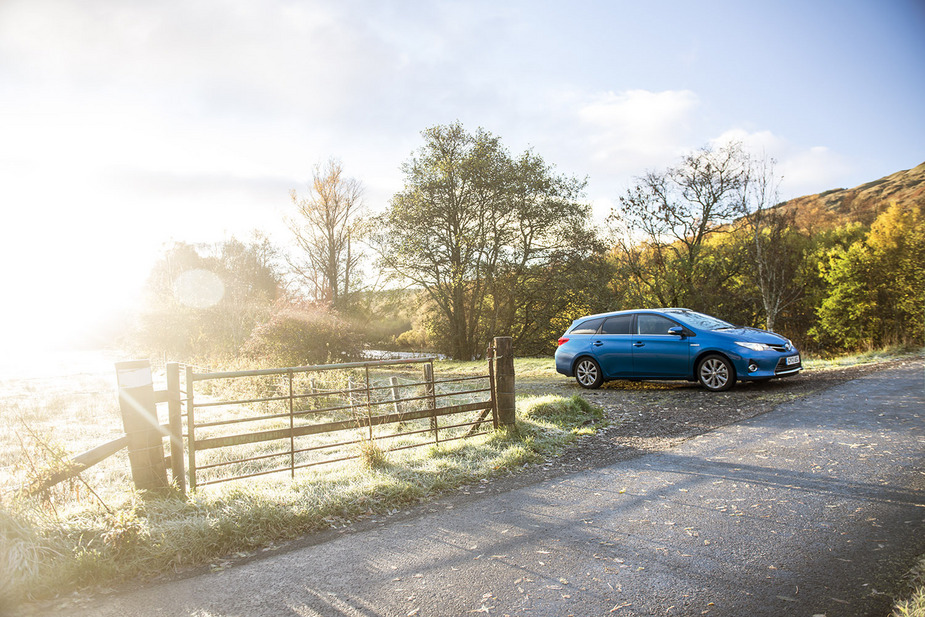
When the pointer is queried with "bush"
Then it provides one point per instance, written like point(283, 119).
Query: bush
point(303, 336)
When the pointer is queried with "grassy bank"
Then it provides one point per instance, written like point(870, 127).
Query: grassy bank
point(914, 604)
point(49, 549)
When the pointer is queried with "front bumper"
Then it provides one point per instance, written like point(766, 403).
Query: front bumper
point(768, 365)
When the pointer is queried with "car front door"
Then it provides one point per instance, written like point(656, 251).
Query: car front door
point(656, 353)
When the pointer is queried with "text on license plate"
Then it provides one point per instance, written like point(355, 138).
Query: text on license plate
point(793, 360)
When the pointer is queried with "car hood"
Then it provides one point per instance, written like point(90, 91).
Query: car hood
point(752, 335)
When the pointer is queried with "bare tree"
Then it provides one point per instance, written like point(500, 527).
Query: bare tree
point(327, 231)
point(664, 221)
point(777, 249)
point(661, 234)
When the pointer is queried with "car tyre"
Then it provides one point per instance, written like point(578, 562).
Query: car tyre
point(716, 373)
point(588, 374)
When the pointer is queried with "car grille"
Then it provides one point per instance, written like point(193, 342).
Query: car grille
point(780, 348)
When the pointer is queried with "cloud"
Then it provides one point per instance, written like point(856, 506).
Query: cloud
point(626, 134)
point(813, 170)
point(759, 143)
point(311, 58)
point(636, 129)
point(804, 170)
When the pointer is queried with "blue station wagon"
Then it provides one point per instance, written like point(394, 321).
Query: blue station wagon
point(672, 343)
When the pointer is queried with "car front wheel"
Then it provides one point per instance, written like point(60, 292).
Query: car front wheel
point(588, 374)
point(716, 373)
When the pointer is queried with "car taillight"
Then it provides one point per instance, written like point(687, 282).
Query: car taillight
point(563, 341)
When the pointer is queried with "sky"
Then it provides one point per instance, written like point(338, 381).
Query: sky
point(126, 126)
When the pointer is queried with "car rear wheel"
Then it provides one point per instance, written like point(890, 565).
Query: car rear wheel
point(588, 374)
point(716, 373)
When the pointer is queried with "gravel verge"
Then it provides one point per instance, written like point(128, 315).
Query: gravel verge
point(643, 417)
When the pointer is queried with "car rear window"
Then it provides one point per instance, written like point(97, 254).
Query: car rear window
point(619, 324)
point(587, 327)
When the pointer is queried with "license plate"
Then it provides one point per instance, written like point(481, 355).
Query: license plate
point(793, 360)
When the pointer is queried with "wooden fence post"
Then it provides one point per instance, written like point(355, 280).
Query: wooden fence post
point(190, 427)
point(291, 426)
point(504, 380)
point(430, 402)
point(396, 400)
point(139, 419)
point(369, 406)
point(177, 466)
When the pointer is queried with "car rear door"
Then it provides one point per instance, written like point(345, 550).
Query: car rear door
point(613, 346)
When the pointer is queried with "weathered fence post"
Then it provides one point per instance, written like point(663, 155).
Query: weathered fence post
point(190, 427)
point(139, 419)
point(174, 414)
point(504, 380)
point(369, 406)
point(291, 426)
point(430, 402)
point(396, 400)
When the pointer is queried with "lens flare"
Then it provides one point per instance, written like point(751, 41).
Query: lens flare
point(198, 289)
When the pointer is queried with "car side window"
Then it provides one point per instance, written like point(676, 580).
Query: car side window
point(647, 323)
point(587, 327)
point(619, 324)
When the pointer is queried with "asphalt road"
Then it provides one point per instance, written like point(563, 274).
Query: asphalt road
point(817, 508)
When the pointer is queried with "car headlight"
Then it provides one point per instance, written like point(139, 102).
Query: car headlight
point(754, 346)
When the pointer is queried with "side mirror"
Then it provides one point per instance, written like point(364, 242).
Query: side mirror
point(677, 331)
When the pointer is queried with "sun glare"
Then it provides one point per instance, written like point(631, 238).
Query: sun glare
point(59, 300)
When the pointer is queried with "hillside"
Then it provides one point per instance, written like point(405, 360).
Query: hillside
point(862, 203)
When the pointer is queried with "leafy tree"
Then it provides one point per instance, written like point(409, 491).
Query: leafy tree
point(327, 232)
point(252, 284)
point(875, 292)
point(897, 239)
point(582, 289)
point(798, 319)
point(484, 234)
point(548, 251)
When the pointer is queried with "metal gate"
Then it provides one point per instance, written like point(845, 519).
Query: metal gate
point(241, 424)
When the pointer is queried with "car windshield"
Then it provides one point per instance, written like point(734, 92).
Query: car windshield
point(704, 322)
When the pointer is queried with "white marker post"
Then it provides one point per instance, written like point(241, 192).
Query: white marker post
point(139, 419)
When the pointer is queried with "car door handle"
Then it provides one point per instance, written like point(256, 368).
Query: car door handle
point(639, 344)
point(597, 343)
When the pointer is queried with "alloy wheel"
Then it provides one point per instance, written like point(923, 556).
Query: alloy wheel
point(588, 374)
point(715, 374)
